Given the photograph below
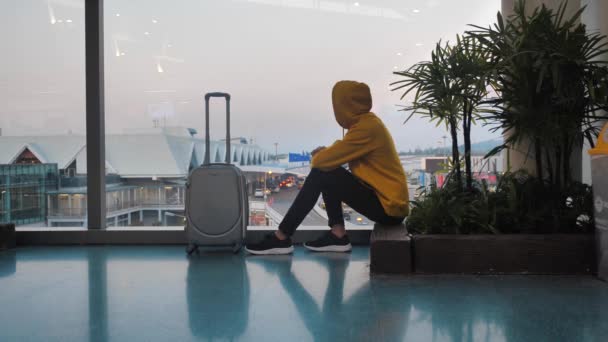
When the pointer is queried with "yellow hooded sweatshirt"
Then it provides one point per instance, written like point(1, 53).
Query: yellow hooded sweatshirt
point(367, 147)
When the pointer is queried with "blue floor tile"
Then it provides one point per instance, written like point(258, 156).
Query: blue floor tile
point(130, 293)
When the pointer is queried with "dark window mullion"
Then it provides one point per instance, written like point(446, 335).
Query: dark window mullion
point(95, 118)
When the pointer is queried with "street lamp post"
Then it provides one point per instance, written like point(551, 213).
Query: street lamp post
point(265, 188)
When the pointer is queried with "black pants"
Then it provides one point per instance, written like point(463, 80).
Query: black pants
point(336, 186)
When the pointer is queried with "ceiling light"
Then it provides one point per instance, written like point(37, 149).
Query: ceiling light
point(60, 21)
point(356, 4)
point(395, 67)
point(118, 14)
point(154, 21)
point(68, 21)
point(419, 44)
point(146, 33)
point(122, 53)
point(398, 53)
point(416, 11)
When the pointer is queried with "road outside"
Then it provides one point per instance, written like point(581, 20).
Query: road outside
point(282, 200)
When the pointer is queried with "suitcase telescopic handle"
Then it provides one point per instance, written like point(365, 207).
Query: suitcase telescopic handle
point(208, 96)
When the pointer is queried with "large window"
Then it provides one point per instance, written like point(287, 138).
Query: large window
point(278, 59)
point(42, 112)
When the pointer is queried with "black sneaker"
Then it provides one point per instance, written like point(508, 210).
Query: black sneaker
point(329, 243)
point(271, 245)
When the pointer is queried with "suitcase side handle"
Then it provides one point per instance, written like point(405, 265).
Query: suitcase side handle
point(208, 96)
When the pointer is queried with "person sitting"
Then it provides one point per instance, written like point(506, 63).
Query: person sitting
point(375, 186)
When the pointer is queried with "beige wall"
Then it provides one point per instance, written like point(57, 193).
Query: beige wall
point(595, 18)
point(596, 14)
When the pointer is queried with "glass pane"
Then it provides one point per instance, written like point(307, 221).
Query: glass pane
point(279, 60)
point(42, 120)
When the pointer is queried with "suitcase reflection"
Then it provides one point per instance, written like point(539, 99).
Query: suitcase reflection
point(218, 301)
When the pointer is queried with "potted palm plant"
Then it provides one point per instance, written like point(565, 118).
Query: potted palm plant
point(436, 95)
point(549, 89)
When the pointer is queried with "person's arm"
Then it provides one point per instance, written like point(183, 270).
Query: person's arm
point(356, 144)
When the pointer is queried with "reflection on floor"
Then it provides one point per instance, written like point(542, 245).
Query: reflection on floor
point(157, 294)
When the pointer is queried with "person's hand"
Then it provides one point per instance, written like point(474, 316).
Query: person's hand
point(316, 150)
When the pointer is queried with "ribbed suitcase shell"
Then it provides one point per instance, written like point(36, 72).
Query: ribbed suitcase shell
point(217, 206)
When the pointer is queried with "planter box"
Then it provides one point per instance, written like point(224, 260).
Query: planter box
point(8, 237)
point(390, 250)
point(504, 254)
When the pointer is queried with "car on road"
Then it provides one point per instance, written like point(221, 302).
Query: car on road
point(361, 221)
point(258, 193)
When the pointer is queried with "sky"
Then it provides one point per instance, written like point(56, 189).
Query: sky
point(278, 58)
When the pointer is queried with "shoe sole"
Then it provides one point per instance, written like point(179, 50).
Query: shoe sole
point(272, 251)
point(332, 248)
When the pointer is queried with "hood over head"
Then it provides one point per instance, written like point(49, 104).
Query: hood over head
point(350, 99)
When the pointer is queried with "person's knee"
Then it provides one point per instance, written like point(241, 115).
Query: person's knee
point(314, 171)
point(325, 178)
point(337, 170)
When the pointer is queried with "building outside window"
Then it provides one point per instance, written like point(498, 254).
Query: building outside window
point(23, 189)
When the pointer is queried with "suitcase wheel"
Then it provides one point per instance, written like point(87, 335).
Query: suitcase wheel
point(191, 248)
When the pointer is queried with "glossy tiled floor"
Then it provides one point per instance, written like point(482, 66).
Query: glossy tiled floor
point(157, 294)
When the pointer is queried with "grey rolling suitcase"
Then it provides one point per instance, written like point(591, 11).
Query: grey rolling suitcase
point(217, 206)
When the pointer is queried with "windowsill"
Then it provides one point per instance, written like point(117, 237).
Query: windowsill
point(109, 229)
point(267, 228)
point(172, 228)
point(34, 236)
